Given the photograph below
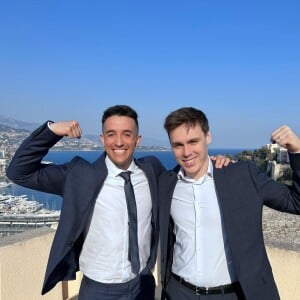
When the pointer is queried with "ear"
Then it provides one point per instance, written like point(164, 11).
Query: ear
point(208, 138)
point(138, 140)
point(101, 137)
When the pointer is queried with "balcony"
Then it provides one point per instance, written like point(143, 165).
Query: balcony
point(23, 260)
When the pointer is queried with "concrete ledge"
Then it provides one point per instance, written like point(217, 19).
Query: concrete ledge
point(287, 246)
point(24, 256)
point(286, 269)
point(23, 260)
point(26, 235)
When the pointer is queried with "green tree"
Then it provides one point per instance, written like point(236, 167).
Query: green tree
point(259, 156)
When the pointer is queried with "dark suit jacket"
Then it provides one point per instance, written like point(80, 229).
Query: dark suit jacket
point(242, 191)
point(79, 183)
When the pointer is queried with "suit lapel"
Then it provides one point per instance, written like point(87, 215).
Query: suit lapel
point(167, 185)
point(152, 180)
point(226, 199)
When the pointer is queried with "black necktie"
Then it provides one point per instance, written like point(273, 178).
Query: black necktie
point(133, 251)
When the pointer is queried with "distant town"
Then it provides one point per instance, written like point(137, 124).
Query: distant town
point(11, 138)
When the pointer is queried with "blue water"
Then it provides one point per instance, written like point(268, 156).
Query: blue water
point(53, 202)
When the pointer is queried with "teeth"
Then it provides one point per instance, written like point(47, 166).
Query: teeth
point(189, 162)
point(119, 151)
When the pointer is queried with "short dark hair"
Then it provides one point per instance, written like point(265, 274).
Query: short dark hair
point(120, 110)
point(188, 116)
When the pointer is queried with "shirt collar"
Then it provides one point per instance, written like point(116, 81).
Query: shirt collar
point(209, 173)
point(115, 171)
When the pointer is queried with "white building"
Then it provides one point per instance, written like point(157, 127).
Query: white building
point(3, 163)
point(282, 154)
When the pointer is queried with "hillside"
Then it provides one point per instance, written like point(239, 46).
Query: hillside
point(13, 132)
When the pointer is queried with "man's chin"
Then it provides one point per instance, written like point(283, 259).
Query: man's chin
point(122, 164)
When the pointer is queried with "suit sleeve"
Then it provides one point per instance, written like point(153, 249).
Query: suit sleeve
point(279, 196)
point(26, 168)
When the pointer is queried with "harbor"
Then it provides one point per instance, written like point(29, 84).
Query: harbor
point(22, 209)
point(18, 213)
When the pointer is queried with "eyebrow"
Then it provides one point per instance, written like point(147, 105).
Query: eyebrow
point(124, 131)
point(196, 139)
point(192, 140)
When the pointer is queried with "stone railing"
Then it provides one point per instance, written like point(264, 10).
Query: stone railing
point(23, 260)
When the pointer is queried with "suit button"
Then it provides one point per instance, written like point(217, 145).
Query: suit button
point(71, 243)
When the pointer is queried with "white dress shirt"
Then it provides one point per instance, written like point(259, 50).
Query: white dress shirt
point(104, 256)
point(201, 254)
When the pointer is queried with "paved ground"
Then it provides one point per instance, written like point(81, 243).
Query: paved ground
point(281, 230)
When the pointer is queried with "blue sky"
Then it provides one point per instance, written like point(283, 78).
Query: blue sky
point(238, 61)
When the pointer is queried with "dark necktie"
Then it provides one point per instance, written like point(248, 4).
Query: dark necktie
point(133, 251)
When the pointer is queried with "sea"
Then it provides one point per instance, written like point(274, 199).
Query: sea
point(53, 202)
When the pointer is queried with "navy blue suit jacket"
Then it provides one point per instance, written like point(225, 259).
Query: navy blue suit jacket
point(79, 183)
point(242, 191)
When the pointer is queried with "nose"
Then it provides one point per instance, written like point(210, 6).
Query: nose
point(119, 141)
point(186, 151)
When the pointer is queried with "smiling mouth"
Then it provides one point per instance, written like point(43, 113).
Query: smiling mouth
point(189, 162)
point(119, 151)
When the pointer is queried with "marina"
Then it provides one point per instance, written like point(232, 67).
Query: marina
point(18, 205)
point(19, 213)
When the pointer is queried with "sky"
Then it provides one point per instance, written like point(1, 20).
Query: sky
point(237, 61)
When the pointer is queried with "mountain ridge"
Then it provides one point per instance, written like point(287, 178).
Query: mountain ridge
point(17, 124)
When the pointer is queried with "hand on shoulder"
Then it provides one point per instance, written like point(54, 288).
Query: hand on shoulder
point(221, 161)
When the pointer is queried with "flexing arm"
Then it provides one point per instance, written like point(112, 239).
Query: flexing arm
point(285, 137)
point(26, 167)
point(69, 129)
